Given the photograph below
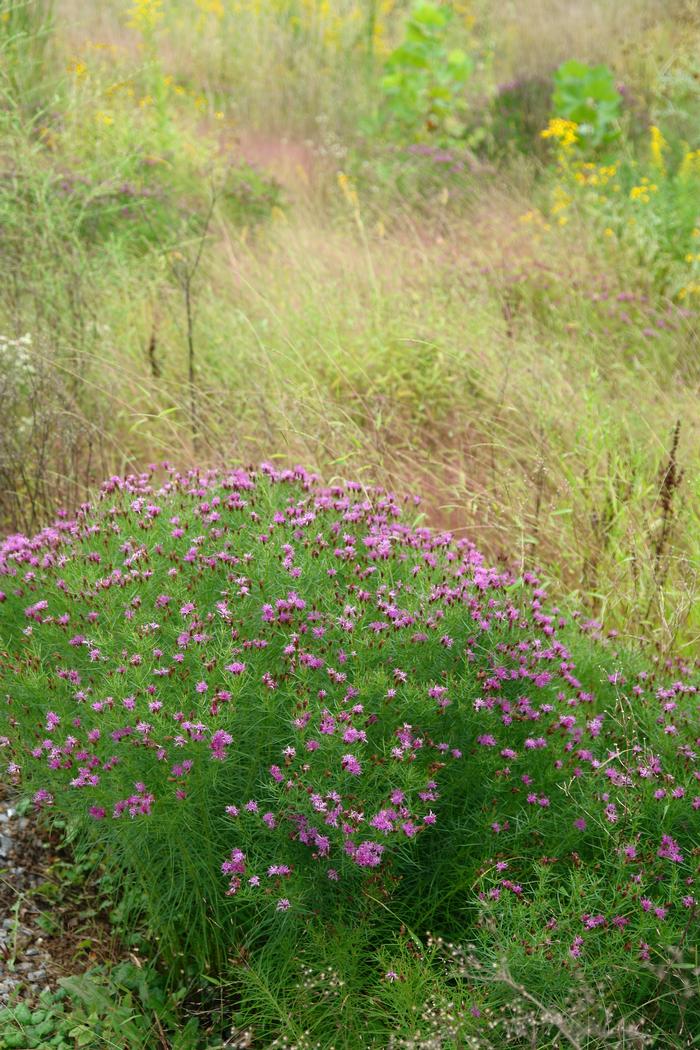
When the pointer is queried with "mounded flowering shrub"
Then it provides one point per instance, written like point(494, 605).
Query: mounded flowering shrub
point(265, 700)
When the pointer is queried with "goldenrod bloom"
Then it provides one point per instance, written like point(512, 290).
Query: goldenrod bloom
point(145, 15)
point(657, 145)
point(211, 7)
point(77, 68)
point(347, 189)
point(690, 165)
point(564, 131)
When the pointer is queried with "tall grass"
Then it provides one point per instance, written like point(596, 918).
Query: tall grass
point(530, 381)
point(26, 40)
point(400, 357)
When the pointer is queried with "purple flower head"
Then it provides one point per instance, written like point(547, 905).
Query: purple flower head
point(351, 765)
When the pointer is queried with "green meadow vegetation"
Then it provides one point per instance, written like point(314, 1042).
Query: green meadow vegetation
point(334, 780)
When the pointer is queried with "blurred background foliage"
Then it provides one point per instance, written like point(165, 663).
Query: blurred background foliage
point(453, 246)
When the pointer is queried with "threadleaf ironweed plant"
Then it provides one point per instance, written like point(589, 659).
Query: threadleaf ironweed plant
point(269, 703)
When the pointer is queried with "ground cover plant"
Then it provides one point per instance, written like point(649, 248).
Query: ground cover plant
point(275, 708)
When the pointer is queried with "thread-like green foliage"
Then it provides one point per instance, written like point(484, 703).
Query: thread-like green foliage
point(271, 707)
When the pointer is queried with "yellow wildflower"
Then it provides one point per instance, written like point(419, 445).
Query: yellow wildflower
point(99, 45)
point(118, 85)
point(690, 165)
point(211, 7)
point(561, 200)
point(145, 15)
point(657, 145)
point(564, 131)
point(77, 68)
point(347, 189)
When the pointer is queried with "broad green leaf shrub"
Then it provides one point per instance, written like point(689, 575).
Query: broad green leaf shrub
point(424, 78)
point(266, 700)
point(587, 96)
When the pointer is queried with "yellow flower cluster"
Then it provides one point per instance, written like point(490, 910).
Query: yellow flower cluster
point(595, 175)
point(145, 15)
point(657, 145)
point(126, 88)
point(564, 131)
point(118, 86)
point(643, 191)
point(561, 201)
point(603, 193)
point(337, 25)
point(113, 50)
point(77, 68)
point(348, 190)
point(535, 218)
point(380, 45)
point(211, 7)
point(690, 165)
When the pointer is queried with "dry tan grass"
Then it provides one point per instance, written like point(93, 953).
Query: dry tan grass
point(534, 36)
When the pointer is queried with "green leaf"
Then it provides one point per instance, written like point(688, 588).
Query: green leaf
point(430, 15)
point(588, 96)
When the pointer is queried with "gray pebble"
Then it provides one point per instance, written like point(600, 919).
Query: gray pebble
point(21, 942)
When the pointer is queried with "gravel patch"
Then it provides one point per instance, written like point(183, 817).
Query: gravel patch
point(26, 964)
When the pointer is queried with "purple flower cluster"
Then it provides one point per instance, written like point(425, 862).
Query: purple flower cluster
point(296, 671)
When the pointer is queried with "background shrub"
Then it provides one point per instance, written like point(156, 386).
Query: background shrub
point(587, 96)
